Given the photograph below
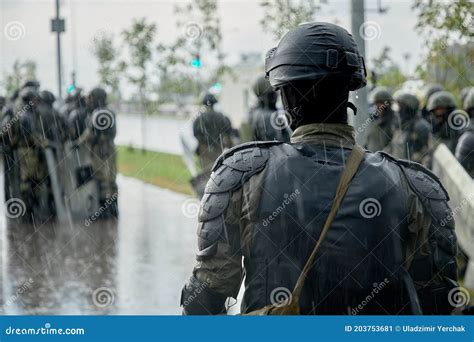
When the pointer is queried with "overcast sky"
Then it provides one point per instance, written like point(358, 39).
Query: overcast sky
point(242, 33)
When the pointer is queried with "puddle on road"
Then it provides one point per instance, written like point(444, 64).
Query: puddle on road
point(134, 265)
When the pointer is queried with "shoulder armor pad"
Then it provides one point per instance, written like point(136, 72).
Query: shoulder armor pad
point(246, 146)
point(212, 205)
point(424, 182)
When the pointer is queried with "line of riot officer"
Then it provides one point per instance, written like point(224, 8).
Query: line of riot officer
point(36, 143)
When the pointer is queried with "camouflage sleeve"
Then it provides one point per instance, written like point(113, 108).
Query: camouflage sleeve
point(431, 248)
point(217, 274)
point(218, 271)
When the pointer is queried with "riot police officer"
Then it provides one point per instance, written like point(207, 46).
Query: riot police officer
point(383, 125)
point(75, 100)
point(98, 132)
point(55, 126)
point(465, 146)
point(28, 141)
point(413, 140)
point(213, 131)
point(442, 107)
point(266, 203)
point(429, 90)
point(267, 123)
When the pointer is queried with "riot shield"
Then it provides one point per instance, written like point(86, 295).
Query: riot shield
point(198, 180)
point(51, 161)
point(81, 189)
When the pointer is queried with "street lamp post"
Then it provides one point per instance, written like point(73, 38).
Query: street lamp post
point(58, 27)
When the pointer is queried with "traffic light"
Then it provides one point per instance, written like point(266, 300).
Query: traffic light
point(196, 62)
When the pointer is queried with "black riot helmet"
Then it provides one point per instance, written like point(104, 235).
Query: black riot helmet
point(314, 51)
point(29, 94)
point(315, 65)
point(209, 100)
point(262, 88)
point(47, 97)
point(97, 98)
point(31, 84)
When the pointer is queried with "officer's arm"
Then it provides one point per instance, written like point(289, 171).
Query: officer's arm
point(432, 245)
point(218, 272)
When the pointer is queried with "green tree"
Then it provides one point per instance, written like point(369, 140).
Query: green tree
point(21, 72)
point(448, 31)
point(139, 39)
point(282, 15)
point(387, 71)
point(110, 69)
point(195, 59)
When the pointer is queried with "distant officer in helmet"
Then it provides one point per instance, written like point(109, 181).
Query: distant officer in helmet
point(75, 100)
point(213, 131)
point(413, 140)
point(55, 126)
point(28, 142)
point(383, 126)
point(266, 202)
point(267, 123)
point(98, 134)
point(429, 90)
point(465, 146)
point(444, 116)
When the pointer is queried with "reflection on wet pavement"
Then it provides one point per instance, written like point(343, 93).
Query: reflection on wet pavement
point(134, 265)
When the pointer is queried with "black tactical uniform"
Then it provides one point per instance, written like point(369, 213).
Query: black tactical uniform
point(97, 130)
point(465, 146)
point(267, 123)
point(213, 131)
point(383, 125)
point(266, 202)
point(413, 140)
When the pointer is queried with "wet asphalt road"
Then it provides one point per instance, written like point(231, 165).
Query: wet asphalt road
point(134, 265)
